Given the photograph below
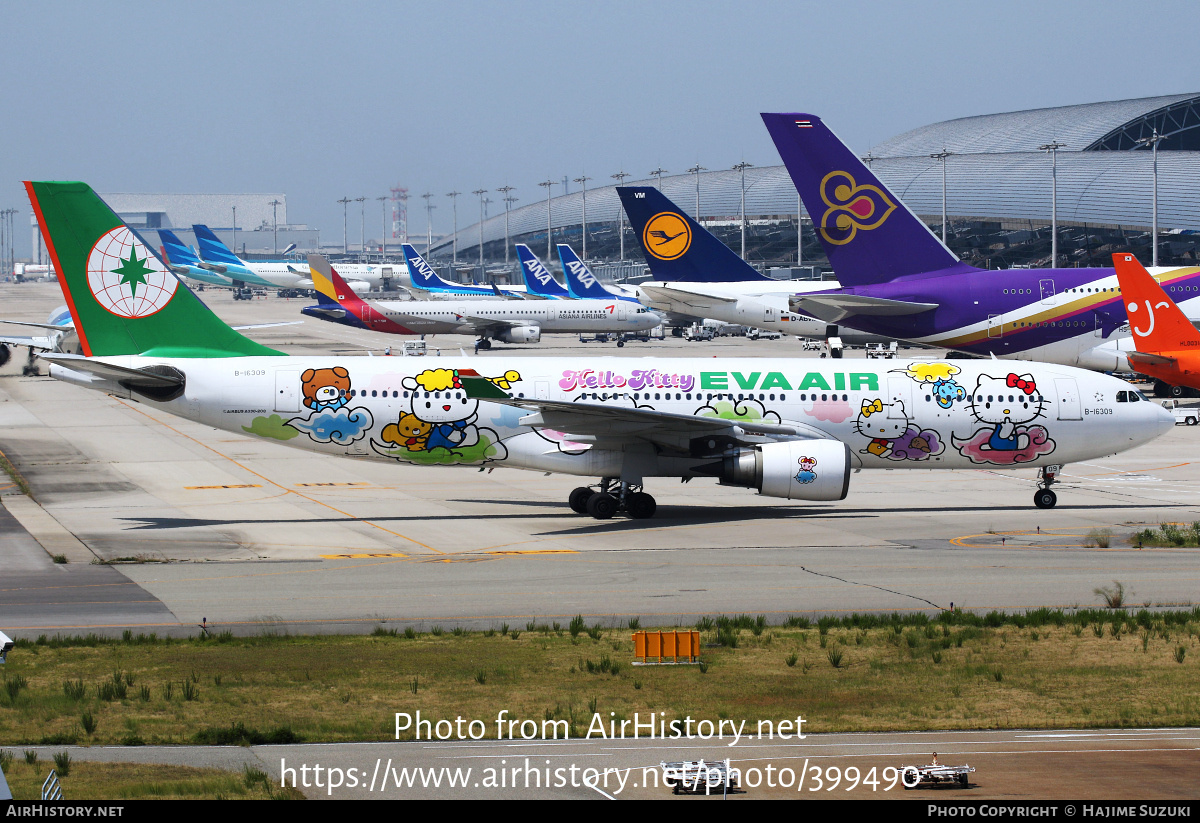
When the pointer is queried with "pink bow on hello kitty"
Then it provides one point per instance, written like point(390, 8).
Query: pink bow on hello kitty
point(1027, 386)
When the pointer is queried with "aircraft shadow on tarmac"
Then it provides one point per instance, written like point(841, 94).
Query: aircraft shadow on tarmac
point(666, 516)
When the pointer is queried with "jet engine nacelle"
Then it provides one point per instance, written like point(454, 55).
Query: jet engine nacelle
point(520, 334)
point(794, 469)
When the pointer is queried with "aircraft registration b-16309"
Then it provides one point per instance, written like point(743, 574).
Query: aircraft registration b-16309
point(788, 428)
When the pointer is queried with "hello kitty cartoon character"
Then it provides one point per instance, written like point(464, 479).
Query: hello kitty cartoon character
point(437, 398)
point(1008, 407)
point(884, 423)
point(1017, 401)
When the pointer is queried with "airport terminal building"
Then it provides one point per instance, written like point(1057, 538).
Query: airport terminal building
point(998, 192)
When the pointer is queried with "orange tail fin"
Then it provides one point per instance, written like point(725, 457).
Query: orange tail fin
point(1157, 323)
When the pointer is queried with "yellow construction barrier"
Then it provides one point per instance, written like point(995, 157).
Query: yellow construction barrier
point(666, 647)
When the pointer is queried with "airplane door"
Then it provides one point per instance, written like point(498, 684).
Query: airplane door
point(1068, 398)
point(620, 309)
point(769, 314)
point(287, 391)
point(1099, 325)
point(995, 327)
point(899, 390)
point(1047, 292)
point(542, 389)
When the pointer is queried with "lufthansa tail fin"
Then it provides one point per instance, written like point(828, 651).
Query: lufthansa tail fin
point(123, 298)
point(212, 250)
point(869, 235)
point(1157, 323)
point(538, 279)
point(677, 248)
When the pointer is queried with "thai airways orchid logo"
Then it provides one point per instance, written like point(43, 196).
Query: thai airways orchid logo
point(125, 278)
point(667, 236)
point(851, 207)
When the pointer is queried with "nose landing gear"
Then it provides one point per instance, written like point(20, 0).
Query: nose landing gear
point(1043, 498)
point(611, 496)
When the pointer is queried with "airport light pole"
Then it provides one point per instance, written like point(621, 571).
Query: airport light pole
point(868, 158)
point(235, 230)
point(547, 184)
point(741, 167)
point(799, 231)
point(345, 236)
point(480, 193)
point(428, 221)
point(659, 172)
point(696, 169)
point(1053, 148)
point(942, 155)
point(362, 223)
point(582, 181)
point(453, 195)
point(620, 178)
point(1153, 141)
point(507, 201)
point(383, 225)
point(274, 204)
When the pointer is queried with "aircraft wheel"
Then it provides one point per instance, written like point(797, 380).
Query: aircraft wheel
point(620, 344)
point(1045, 499)
point(5, 354)
point(579, 499)
point(640, 505)
point(602, 505)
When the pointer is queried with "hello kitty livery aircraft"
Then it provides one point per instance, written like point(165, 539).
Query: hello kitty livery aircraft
point(787, 428)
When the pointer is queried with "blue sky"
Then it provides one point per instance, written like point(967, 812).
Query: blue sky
point(324, 100)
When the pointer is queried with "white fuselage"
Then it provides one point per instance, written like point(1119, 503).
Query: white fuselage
point(903, 415)
point(563, 316)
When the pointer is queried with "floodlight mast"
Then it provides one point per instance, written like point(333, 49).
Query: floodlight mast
point(620, 178)
point(507, 202)
point(942, 155)
point(582, 181)
point(547, 184)
point(1153, 141)
point(1053, 148)
point(742, 166)
point(345, 237)
point(480, 193)
point(274, 204)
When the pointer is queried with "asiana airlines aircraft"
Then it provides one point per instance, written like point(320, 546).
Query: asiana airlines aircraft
point(786, 428)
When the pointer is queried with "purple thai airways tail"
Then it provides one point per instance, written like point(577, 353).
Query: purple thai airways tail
point(868, 234)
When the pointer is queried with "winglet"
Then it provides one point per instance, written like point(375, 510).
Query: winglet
point(1157, 323)
point(479, 387)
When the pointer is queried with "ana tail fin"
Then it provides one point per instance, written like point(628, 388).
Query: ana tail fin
point(538, 278)
point(869, 235)
point(677, 248)
point(1157, 323)
point(123, 298)
point(580, 280)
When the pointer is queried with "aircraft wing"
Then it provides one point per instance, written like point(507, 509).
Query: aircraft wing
point(481, 324)
point(595, 421)
point(107, 371)
point(833, 308)
point(46, 326)
point(49, 343)
point(504, 295)
point(685, 301)
point(267, 325)
point(1136, 357)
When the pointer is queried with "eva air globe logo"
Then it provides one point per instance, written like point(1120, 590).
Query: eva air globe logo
point(126, 278)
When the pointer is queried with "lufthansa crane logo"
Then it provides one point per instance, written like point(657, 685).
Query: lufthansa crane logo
point(851, 207)
point(667, 236)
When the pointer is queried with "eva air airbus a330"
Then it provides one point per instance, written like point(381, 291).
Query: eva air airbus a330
point(787, 428)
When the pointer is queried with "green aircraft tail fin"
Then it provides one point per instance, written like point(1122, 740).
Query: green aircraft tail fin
point(123, 299)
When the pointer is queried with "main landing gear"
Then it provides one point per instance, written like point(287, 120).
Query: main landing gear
point(1043, 498)
point(612, 496)
point(483, 344)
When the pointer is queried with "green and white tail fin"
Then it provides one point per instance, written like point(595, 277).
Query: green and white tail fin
point(123, 299)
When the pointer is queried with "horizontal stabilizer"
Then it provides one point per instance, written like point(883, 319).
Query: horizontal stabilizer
point(107, 371)
point(833, 308)
point(1143, 358)
point(674, 298)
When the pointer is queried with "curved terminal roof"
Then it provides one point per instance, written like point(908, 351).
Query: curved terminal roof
point(996, 173)
point(1081, 128)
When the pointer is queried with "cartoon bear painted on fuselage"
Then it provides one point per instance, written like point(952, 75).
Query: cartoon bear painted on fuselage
point(325, 389)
